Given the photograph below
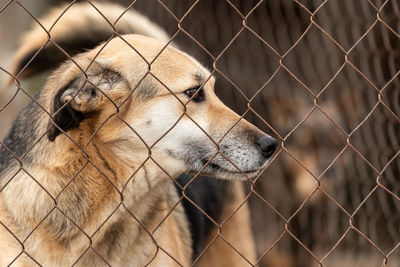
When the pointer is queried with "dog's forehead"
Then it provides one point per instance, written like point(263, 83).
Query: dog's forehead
point(135, 55)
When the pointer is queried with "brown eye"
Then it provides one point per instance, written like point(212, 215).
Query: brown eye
point(195, 93)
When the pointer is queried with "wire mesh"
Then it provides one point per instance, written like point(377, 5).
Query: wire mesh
point(322, 77)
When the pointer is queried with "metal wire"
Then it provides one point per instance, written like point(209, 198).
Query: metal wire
point(322, 76)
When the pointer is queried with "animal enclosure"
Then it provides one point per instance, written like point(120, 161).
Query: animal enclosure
point(322, 77)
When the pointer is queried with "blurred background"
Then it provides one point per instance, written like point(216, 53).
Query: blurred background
point(321, 77)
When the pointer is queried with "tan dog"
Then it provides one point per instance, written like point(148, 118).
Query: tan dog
point(94, 183)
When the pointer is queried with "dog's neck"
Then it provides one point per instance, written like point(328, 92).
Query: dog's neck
point(104, 172)
point(78, 181)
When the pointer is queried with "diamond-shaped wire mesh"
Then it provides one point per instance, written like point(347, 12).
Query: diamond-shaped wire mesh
point(320, 76)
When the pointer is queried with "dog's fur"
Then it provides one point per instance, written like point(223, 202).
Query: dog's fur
point(96, 179)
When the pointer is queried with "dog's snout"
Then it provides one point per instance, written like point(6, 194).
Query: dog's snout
point(267, 144)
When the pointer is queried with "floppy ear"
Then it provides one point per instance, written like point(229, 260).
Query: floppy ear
point(79, 99)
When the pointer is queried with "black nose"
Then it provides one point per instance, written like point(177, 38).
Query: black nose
point(267, 144)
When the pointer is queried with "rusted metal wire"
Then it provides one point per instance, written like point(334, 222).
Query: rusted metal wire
point(322, 76)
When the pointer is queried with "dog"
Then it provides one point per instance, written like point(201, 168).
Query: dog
point(89, 170)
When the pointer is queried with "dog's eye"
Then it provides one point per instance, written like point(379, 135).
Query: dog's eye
point(195, 93)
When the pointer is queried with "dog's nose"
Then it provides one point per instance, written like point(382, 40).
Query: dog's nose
point(267, 144)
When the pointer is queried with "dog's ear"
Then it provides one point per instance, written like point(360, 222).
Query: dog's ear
point(80, 98)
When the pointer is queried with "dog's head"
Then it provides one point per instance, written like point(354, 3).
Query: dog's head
point(133, 95)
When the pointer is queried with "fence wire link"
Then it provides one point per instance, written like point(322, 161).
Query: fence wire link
point(322, 77)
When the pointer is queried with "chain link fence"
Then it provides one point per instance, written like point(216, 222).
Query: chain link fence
point(322, 77)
